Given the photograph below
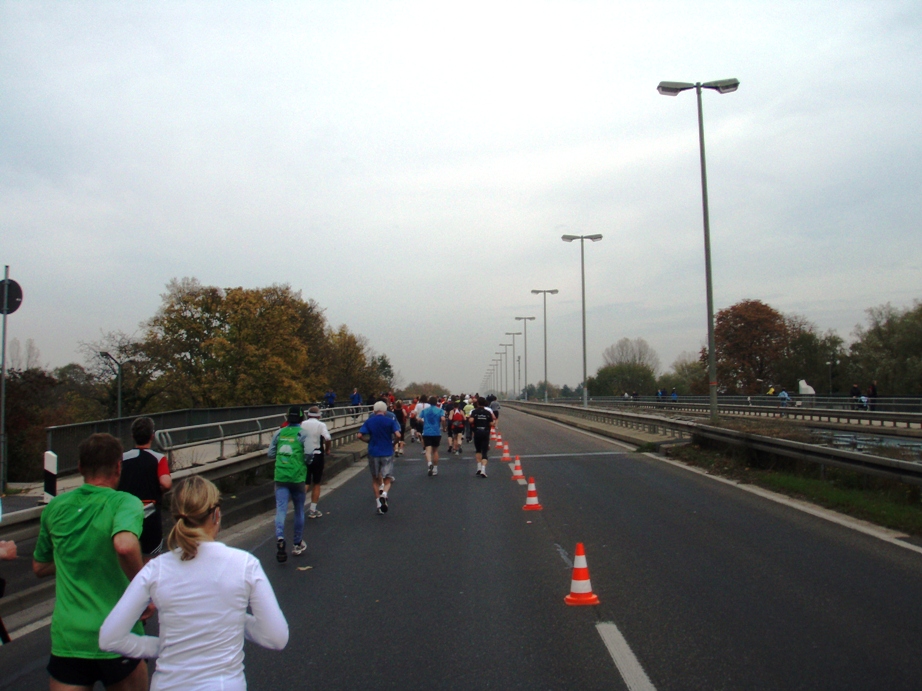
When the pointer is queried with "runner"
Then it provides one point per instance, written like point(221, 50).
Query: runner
point(468, 409)
point(433, 419)
point(401, 414)
point(287, 448)
point(209, 598)
point(456, 420)
point(481, 420)
point(378, 430)
point(320, 444)
point(146, 475)
point(88, 540)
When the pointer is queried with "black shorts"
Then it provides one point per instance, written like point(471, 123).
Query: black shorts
point(152, 533)
point(432, 441)
point(83, 671)
point(315, 471)
point(482, 441)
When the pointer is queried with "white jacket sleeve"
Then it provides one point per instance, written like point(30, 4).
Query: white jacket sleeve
point(267, 625)
point(115, 634)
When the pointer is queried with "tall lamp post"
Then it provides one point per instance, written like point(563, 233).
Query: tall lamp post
point(515, 389)
point(721, 86)
point(545, 294)
point(505, 347)
point(582, 266)
point(118, 365)
point(525, 321)
point(499, 385)
point(830, 364)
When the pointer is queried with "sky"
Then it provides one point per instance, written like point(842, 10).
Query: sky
point(411, 167)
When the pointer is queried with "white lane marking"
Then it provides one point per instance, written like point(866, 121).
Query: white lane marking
point(633, 674)
point(876, 531)
point(571, 455)
point(34, 626)
point(564, 555)
point(856, 524)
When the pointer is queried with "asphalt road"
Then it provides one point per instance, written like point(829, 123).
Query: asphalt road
point(709, 586)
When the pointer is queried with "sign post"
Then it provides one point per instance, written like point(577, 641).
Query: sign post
point(12, 299)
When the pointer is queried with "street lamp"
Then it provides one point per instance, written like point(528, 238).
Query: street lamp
point(582, 265)
point(525, 321)
point(545, 293)
point(721, 86)
point(505, 347)
point(119, 369)
point(499, 385)
point(831, 363)
point(515, 390)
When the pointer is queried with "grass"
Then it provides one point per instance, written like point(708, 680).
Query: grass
point(885, 502)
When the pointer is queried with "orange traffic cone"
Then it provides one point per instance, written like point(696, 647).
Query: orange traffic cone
point(517, 470)
point(492, 434)
point(499, 441)
point(531, 503)
point(580, 587)
point(506, 457)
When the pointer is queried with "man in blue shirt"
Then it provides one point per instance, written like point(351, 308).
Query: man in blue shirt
point(433, 419)
point(379, 431)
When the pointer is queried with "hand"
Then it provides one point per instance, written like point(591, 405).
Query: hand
point(7, 549)
point(148, 611)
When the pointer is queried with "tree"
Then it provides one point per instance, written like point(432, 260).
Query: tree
point(426, 388)
point(536, 392)
point(626, 377)
point(688, 376)
point(751, 340)
point(32, 404)
point(889, 350)
point(633, 352)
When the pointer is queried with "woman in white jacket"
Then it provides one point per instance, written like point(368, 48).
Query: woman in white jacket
point(201, 589)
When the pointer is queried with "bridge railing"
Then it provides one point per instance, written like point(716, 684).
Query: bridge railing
point(907, 471)
point(197, 445)
point(891, 404)
point(63, 440)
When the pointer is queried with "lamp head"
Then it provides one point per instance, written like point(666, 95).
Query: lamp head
point(673, 88)
point(723, 86)
point(569, 238)
point(595, 237)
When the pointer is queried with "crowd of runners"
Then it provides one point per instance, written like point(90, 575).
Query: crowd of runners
point(103, 542)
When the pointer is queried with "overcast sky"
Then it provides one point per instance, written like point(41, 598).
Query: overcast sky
point(411, 166)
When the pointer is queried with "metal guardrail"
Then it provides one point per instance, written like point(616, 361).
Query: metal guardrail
point(247, 435)
point(885, 419)
point(907, 471)
point(344, 430)
point(890, 404)
point(63, 440)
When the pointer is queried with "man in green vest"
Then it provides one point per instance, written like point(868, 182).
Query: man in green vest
point(287, 448)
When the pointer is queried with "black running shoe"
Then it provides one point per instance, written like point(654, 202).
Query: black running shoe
point(383, 504)
point(281, 555)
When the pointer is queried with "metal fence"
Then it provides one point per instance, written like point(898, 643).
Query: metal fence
point(63, 440)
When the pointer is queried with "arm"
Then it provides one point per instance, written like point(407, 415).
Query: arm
point(115, 634)
point(273, 445)
point(128, 551)
point(43, 568)
point(267, 625)
point(163, 475)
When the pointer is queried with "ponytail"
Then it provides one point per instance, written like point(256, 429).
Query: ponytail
point(194, 500)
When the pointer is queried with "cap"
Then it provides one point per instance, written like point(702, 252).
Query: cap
point(313, 411)
point(295, 414)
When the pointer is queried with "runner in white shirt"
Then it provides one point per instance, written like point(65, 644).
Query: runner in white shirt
point(201, 589)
